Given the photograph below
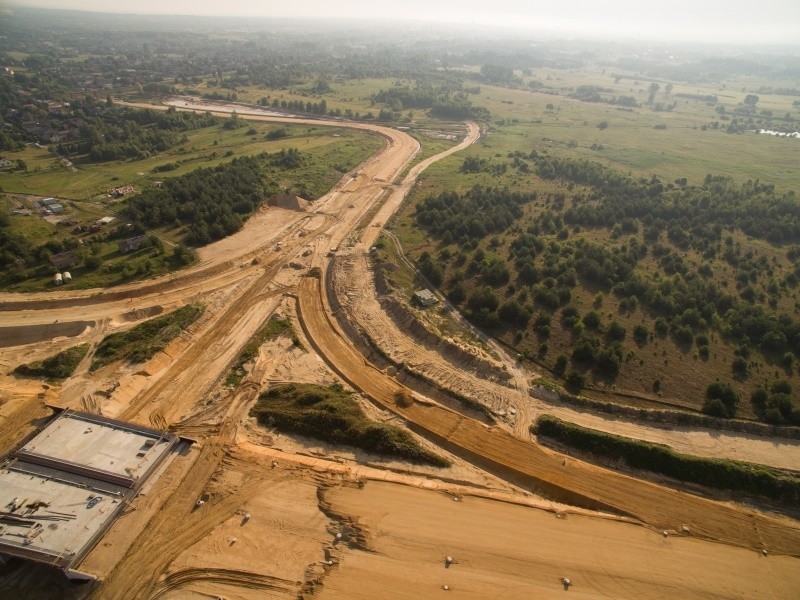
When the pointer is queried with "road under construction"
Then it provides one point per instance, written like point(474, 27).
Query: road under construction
point(245, 281)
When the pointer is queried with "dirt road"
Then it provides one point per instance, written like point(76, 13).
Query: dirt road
point(180, 389)
point(537, 468)
point(503, 550)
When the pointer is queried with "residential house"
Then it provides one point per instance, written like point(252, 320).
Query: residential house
point(131, 244)
point(63, 260)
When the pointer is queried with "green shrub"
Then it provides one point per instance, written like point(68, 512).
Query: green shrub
point(711, 472)
point(59, 366)
point(575, 381)
point(721, 400)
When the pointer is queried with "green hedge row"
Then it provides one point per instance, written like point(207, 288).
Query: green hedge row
point(711, 472)
point(682, 418)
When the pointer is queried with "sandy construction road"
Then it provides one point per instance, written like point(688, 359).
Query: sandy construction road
point(503, 550)
point(182, 551)
point(537, 468)
point(387, 327)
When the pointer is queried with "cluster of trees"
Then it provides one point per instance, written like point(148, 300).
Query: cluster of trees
point(518, 278)
point(775, 404)
point(17, 250)
point(444, 101)
point(499, 74)
point(467, 218)
point(594, 93)
point(212, 202)
point(115, 133)
point(692, 217)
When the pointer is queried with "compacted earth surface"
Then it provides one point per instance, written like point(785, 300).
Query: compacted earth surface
point(244, 511)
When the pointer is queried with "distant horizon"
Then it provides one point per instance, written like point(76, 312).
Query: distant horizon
point(776, 23)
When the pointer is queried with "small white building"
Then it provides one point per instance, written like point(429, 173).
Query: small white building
point(57, 279)
point(67, 276)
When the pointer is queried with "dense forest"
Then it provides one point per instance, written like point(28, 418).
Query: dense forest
point(212, 202)
point(516, 264)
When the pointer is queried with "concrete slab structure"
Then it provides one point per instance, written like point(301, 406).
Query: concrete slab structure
point(64, 488)
point(101, 444)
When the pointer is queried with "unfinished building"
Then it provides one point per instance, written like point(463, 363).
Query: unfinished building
point(62, 488)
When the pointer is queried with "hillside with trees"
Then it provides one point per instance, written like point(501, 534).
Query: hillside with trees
point(622, 284)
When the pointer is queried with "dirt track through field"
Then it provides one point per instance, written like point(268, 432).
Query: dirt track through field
point(539, 469)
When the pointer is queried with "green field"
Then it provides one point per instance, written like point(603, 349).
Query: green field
point(328, 152)
point(208, 147)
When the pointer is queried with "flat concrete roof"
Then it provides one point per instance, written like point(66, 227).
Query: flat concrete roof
point(62, 522)
point(62, 489)
point(100, 444)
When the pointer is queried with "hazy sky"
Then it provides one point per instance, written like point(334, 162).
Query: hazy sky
point(770, 21)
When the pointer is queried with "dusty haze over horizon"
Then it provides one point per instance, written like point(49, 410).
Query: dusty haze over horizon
point(718, 21)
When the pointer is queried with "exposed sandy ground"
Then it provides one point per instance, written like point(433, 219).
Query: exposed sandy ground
point(501, 550)
point(390, 330)
point(565, 480)
point(168, 547)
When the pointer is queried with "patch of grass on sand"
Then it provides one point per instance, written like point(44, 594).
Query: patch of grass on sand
point(271, 329)
point(332, 415)
point(58, 366)
point(143, 341)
